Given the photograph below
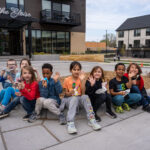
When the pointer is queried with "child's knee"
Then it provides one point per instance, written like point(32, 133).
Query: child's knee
point(85, 98)
point(118, 100)
point(74, 101)
point(138, 97)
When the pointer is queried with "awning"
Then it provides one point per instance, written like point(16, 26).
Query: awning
point(7, 22)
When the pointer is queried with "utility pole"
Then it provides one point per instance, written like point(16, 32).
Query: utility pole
point(106, 42)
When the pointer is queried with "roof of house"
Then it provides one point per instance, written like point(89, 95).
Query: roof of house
point(135, 23)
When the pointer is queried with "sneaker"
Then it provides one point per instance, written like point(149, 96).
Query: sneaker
point(2, 114)
point(62, 119)
point(134, 106)
point(32, 118)
point(94, 124)
point(111, 114)
point(26, 117)
point(71, 128)
point(118, 109)
point(126, 107)
point(2, 107)
point(98, 119)
point(146, 108)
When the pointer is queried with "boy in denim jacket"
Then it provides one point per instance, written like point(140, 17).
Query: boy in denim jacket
point(49, 88)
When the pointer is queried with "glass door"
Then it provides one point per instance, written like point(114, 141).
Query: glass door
point(10, 42)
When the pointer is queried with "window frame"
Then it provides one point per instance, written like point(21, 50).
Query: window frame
point(18, 5)
point(54, 49)
point(135, 46)
point(147, 32)
point(147, 45)
point(121, 34)
point(50, 5)
point(137, 32)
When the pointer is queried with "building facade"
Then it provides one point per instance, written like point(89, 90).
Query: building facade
point(42, 26)
point(134, 36)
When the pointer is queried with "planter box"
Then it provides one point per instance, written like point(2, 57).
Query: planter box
point(90, 57)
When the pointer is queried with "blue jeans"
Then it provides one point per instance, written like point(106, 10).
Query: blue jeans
point(12, 105)
point(2, 94)
point(118, 100)
point(144, 101)
point(7, 94)
point(28, 105)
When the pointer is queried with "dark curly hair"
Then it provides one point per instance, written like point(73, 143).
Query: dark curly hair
point(120, 64)
point(47, 66)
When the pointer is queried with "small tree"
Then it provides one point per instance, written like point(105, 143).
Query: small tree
point(111, 39)
point(122, 50)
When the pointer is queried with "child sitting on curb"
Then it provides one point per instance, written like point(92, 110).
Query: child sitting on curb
point(73, 88)
point(49, 88)
point(118, 86)
point(98, 93)
point(138, 86)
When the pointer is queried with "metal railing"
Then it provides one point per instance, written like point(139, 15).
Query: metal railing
point(60, 17)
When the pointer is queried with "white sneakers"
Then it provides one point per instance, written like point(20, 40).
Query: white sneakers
point(71, 128)
point(2, 107)
point(94, 124)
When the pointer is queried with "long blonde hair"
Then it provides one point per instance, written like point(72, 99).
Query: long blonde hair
point(30, 69)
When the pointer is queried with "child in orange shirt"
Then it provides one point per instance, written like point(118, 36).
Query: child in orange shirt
point(73, 98)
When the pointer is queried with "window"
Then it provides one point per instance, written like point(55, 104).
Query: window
point(33, 41)
point(46, 4)
point(15, 3)
point(137, 32)
point(147, 43)
point(60, 42)
point(67, 42)
point(57, 11)
point(49, 42)
point(120, 44)
point(21, 4)
point(66, 10)
point(147, 31)
point(136, 43)
point(36, 41)
point(57, 6)
point(54, 42)
point(121, 34)
point(46, 41)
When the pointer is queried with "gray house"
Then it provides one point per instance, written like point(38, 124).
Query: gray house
point(134, 36)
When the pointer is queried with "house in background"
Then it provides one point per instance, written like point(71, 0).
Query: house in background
point(134, 36)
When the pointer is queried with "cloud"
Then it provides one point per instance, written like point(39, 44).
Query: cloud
point(108, 15)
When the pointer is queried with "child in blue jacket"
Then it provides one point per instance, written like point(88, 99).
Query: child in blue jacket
point(49, 88)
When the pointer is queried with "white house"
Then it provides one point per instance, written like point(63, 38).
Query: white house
point(134, 34)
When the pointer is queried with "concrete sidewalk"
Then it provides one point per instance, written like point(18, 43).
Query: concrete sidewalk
point(46, 133)
point(128, 134)
point(129, 130)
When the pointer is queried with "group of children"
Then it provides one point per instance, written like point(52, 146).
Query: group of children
point(26, 88)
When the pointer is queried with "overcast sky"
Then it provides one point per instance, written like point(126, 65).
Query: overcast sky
point(102, 15)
